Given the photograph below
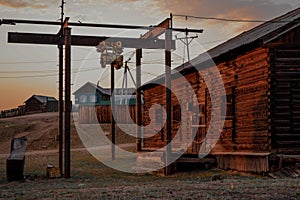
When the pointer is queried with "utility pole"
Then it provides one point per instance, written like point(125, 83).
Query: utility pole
point(112, 103)
point(60, 92)
point(68, 104)
point(168, 39)
point(125, 81)
point(187, 41)
point(138, 101)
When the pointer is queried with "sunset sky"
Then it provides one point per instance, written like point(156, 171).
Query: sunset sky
point(32, 69)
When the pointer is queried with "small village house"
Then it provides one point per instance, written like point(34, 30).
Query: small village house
point(40, 103)
point(94, 104)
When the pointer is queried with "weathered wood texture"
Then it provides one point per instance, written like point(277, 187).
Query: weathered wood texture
point(244, 163)
point(285, 107)
point(263, 104)
point(101, 114)
point(13, 112)
point(246, 80)
point(34, 106)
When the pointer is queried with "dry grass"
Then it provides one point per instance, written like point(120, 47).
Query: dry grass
point(93, 180)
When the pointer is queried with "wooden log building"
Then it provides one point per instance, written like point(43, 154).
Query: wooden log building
point(40, 103)
point(260, 69)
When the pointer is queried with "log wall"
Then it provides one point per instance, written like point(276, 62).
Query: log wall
point(246, 80)
point(286, 99)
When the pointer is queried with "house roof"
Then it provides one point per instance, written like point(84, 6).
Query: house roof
point(106, 91)
point(261, 34)
point(42, 99)
point(94, 87)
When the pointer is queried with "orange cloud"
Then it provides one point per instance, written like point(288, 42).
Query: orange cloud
point(232, 9)
point(22, 4)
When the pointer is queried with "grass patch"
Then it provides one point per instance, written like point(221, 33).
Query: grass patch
point(93, 180)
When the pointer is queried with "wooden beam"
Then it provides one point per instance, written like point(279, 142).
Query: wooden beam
point(78, 40)
point(112, 101)
point(168, 100)
point(68, 104)
point(138, 101)
point(158, 30)
point(60, 107)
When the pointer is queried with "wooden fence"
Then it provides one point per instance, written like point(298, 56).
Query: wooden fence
point(13, 112)
point(102, 114)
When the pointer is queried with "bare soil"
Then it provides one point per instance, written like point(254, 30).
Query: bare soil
point(41, 131)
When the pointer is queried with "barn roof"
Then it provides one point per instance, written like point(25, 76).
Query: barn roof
point(88, 86)
point(263, 34)
point(42, 99)
point(259, 35)
point(106, 91)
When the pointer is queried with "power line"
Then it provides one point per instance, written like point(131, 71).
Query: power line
point(47, 75)
point(33, 76)
point(16, 71)
point(39, 62)
point(234, 20)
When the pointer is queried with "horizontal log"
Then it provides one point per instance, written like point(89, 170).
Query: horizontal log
point(78, 40)
point(294, 59)
point(291, 143)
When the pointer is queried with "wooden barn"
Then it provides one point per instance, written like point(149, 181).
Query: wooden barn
point(260, 69)
point(40, 103)
point(94, 104)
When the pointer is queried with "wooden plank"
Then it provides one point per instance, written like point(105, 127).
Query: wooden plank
point(242, 153)
point(79, 40)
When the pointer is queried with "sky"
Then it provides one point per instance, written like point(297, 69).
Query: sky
point(27, 69)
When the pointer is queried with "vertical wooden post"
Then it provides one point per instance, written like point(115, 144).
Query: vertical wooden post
point(61, 91)
point(67, 36)
point(233, 135)
point(112, 103)
point(60, 107)
point(138, 100)
point(168, 39)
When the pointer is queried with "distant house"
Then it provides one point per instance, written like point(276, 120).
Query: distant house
point(39, 103)
point(92, 94)
point(94, 101)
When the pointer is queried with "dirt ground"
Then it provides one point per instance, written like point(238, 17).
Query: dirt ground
point(41, 131)
point(93, 180)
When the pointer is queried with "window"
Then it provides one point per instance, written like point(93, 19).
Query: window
point(105, 98)
point(93, 99)
point(158, 116)
point(230, 104)
point(177, 113)
point(82, 99)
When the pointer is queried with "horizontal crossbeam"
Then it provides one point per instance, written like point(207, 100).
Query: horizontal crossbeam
point(78, 40)
point(115, 26)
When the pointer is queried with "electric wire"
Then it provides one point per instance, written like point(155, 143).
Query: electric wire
point(235, 20)
point(47, 75)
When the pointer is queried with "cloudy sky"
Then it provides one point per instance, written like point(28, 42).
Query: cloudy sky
point(32, 69)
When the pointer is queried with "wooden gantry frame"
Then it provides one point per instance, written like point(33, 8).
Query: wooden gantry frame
point(64, 38)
